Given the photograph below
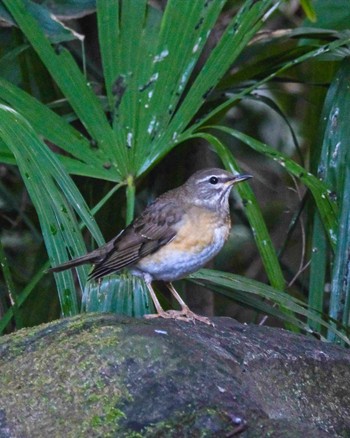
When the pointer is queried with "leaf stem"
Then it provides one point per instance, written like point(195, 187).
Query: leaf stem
point(130, 199)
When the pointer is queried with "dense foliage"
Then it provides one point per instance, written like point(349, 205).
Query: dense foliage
point(83, 123)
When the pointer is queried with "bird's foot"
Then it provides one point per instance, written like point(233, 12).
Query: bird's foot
point(181, 315)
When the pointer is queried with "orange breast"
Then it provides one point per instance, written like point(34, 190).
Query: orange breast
point(197, 231)
point(200, 236)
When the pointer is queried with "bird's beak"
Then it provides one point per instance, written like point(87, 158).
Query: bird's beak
point(239, 178)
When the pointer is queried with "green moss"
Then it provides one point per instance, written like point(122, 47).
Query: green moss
point(105, 422)
point(101, 375)
point(67, 368)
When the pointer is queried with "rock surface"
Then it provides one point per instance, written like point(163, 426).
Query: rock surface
point(104, 375)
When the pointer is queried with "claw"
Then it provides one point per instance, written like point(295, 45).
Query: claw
point(181, 315)
point(185, 314)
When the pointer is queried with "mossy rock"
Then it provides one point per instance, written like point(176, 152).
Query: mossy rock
point(108, 376)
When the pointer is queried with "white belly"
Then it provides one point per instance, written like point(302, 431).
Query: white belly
point(176, 259)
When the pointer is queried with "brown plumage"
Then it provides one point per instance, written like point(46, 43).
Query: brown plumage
point(174, 236)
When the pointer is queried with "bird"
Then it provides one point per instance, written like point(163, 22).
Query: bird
point(176, 234)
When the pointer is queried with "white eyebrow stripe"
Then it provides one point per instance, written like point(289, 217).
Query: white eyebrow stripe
point(206, 178)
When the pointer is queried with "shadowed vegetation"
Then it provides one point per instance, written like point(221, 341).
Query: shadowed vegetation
point(92, 129)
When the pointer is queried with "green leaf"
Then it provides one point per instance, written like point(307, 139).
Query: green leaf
point(70, 8)
point(318, 267)
point(253, 212)
point(334, 169)
point(275, 107)
point(309, 10)
point(108, 29)
point(329, 14)
point(326, 49)
point(53, 195)
point(326, 206)
point(53, 127)
point(130, 60)
point(148, 65)
point(123, 294)
point(170, 109)
point(171, 66)
point(238, 33)
point(69, 78)
point(53, 29)
point(232, 282)
point(6, 156)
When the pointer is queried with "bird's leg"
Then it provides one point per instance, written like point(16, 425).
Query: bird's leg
point(185, 313)
point(155, 300)
point(161, 313)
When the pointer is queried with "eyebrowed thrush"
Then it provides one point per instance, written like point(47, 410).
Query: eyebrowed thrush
point(178, 233)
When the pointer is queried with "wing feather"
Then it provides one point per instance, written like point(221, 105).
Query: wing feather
point(156, 226)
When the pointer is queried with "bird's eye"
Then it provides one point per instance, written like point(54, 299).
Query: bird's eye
point(213, 180)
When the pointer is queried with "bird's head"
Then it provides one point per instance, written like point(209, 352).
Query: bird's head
point(210, 188)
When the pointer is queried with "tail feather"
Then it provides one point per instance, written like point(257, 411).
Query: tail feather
point(94, 257)
point(87, 258)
